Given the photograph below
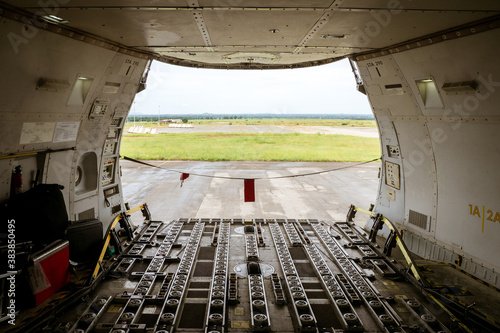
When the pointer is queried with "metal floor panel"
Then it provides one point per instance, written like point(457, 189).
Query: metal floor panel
point(227, 275)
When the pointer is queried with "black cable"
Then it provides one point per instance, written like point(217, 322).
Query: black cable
point(256, 178)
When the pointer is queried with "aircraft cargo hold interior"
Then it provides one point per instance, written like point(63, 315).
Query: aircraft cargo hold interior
point(76, 258)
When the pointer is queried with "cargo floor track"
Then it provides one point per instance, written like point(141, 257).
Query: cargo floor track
point(270, 275)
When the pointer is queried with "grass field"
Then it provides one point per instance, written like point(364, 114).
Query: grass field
point(267, 122)
point(249, 147)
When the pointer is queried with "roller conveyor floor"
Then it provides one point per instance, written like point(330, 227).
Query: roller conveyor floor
point(258, 275)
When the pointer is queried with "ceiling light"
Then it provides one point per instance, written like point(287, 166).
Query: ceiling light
point(55, 19)
point(429, 93)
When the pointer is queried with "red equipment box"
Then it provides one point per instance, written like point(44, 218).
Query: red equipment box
point(50, 271)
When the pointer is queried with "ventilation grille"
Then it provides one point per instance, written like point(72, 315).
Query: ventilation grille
point(393, 86)
point(87, 215)
point(464, 87)
point(418, 219)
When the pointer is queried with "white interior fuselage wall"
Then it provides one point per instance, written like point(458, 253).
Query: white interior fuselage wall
point(64, 103)
point(437, 110)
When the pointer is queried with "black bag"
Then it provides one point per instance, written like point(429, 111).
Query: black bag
point(85, 241)
point(40, 215)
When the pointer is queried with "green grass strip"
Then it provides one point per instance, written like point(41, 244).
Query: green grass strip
point(250, 147)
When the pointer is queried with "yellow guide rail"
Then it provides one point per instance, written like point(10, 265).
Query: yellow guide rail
point(145, 212)
point(394, 233)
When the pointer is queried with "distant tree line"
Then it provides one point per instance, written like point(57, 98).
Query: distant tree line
point(153, 117)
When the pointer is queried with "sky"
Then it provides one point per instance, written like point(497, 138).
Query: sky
point(326, 89)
